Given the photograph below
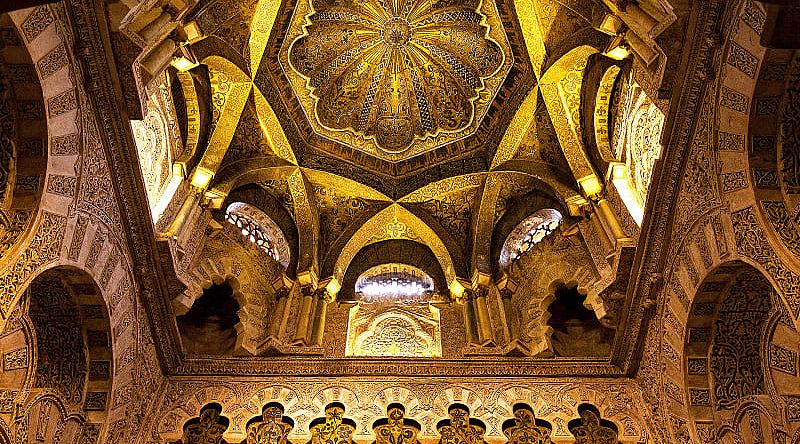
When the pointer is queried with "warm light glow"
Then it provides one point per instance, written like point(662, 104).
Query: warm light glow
point(457, 290)
point(179, 169)
point(333, 287)
point(259, 229)
point(620, 176)
point(166, 198)
point(619, 53)
point(590, 185)
point(202, 177)
point(618, 49)
point(393, 281)
point(252, 232)
point(528, 233)
point(193, 31)
point(183, 64)
point(611, 24)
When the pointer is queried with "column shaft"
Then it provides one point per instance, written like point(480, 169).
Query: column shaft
point(320, 311)
point(485, 334)
point(301, 334)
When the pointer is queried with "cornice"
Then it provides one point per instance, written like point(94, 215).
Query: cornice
point(462, 368)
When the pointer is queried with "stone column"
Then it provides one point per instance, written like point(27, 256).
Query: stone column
point(158, 58)
point(302, 332)
point(485, 334)
point(320, 312)
point(278, 320)
point(156, 27)
point(512, 322)
point(469, 318)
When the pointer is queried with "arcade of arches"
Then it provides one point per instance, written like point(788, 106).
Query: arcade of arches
point(399, 222)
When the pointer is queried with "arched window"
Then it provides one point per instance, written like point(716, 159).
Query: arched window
point(528, 233)
point(394, 316)
point(156, 142)
point(259, 229)
point(636, 141)
point(393, 281)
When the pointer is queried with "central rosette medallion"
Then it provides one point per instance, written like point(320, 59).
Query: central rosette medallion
point(396, 32)
point(396, 78)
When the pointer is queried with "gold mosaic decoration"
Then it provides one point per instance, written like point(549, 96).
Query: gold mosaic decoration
point(395, 79)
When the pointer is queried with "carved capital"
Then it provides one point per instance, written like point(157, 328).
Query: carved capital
point(308, 290)
point(480, 291)
point(282, 292)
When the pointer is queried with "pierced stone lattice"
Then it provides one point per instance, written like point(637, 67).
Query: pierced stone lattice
point(260, 230)
point(528, 233)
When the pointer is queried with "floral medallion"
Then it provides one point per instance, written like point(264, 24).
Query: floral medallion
point(396, 78)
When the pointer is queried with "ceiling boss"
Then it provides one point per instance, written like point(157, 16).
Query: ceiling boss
point(403, 76)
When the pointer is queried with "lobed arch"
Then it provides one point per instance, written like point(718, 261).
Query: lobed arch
point(23, 140)
point(574, 331)
point(215, 420)
point(734, 320)
point(65, 328)
point(196, 325)
point(554, 262)
point(252, 290)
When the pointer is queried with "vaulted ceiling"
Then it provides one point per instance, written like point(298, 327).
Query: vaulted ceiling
point(394, 95)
